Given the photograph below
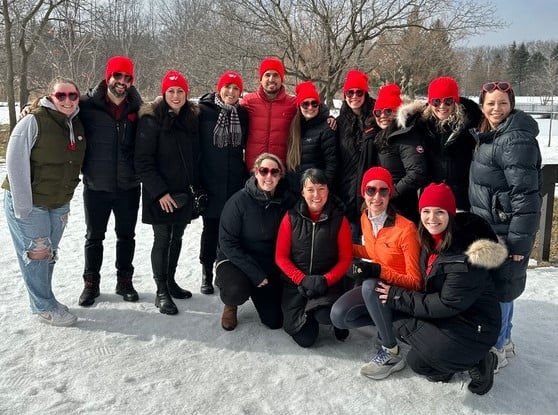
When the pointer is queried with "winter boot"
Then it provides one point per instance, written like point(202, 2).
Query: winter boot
point(163, 300)
point(482, 375)
point(90, 289)
point(175, 290)
point(124, 286)
point(207, 280)
point(229, 319)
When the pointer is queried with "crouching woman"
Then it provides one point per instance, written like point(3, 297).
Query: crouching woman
point(454, 322)
point(314, 251)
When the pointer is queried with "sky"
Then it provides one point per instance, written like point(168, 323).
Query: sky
point(528, 20)
point(127, 358)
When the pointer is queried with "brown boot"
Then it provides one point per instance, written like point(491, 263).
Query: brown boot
point(229, 319)
point(90, 289)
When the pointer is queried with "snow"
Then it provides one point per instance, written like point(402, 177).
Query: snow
point(127, 358)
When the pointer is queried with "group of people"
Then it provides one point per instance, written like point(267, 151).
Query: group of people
point(417, 217)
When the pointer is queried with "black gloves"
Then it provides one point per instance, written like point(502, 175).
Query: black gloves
point(362, 270)
point(313, 286)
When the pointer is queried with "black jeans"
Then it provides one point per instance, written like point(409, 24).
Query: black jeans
point(165, 252)
point(235, 288)
point(209, 240)
point(98, 206)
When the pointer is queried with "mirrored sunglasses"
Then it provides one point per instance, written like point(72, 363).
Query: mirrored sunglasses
point(371, 191)
point(61, 96)
point(307, 104)
point(386, 111)
point(118, 76)
point(352, 92)
point(491, 86)
point(264, 171)
point(436, 102)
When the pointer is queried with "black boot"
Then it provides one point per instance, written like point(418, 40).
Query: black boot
point(207, 280)
point(90, 289)
point(163, 300)
point(175, 290)
point(482, 375)
point(124, 286)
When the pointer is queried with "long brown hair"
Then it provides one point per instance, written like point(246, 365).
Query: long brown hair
point(485, 126)
point(427, 242)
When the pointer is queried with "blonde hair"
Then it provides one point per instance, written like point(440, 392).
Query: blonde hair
point(268, 156)
point(455, 121)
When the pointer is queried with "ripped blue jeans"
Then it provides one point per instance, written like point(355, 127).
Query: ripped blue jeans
point(36, 241)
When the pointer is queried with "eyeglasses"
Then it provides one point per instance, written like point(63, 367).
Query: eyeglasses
point(264, 171)
point(352, 92)
point(61, 96)
point(371, 191)
point(491, 86)
point(436, 102)
point(308, 104)
point(119, 75)
point(386, 111)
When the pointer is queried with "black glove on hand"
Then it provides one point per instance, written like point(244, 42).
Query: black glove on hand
point(313, 286)
point(362, 270)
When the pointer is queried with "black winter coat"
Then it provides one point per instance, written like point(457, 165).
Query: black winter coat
point(222, 170)
point(248, 229)
point(318, 149)
point(505, 189)
point(167, 159)
point(456, 319)
point(109, 159)
point(352, 159)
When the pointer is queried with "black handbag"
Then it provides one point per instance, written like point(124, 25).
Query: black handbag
point(181, 199)
point(199, 201)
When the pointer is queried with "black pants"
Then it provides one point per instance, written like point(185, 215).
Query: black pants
point(209, 240)
point(235, 288)
point(97, 208)
point(167, 243)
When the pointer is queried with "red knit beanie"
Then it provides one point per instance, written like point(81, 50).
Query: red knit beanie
point(443, 87)
point(306, 90)
point(377, 173)
point(389, 96)
point(119, 64)
point(173, 78)
point(230, 77)
point(438, 195)
point(355, 80)
point(272, 64)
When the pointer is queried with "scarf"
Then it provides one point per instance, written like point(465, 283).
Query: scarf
point(227, 129)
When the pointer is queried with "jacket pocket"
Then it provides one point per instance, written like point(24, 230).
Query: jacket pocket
point(501, 207)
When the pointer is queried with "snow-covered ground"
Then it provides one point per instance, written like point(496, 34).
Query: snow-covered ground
point(127, 358)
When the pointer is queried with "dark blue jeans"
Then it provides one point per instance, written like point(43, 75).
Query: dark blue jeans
point(98, 206)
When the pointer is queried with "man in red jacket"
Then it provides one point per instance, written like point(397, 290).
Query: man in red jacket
point(270, 112)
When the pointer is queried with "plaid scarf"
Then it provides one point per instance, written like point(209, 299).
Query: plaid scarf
point(227, 129)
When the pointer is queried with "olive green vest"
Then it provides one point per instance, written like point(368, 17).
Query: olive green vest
point(55, 165)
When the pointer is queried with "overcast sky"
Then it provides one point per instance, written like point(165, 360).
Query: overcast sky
point(528, 20)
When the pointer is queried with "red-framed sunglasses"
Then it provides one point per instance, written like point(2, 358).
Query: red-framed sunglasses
point(436, 102)
point(264, 171)
point(386, 111)
point(491, 86)
point(61, 96)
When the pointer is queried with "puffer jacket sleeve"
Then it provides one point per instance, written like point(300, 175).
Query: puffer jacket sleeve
point(329, 152)
point(415, 165)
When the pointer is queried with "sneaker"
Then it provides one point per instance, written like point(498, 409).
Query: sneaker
point(57, 317)
point(502, 358)
point(61, 306)
point(482, 375)
point(383, 364)
point(509, 347)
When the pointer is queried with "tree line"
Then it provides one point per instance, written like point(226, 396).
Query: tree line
point(407, 42)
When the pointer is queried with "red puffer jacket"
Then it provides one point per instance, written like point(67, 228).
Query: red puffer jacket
point(268, 124)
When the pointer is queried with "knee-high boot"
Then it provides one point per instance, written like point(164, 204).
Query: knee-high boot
point(207, 279)
point(163, 300)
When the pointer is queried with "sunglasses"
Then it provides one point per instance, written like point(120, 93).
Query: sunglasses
point(371, 191)
point(61, 96)
point(308, 104)
point(386, 111)
point(491, 86)
point(264, 171)
point(436, 102)
point(118, 76)
point(352, 92)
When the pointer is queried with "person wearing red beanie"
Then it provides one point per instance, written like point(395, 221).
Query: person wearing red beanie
point(438, 195)
point(390, 242)
point(271, 111)
point(223, 126)
point(387, 103)
point(110, 184)
point(353, 157)
point(311, 142)
point(167, 162)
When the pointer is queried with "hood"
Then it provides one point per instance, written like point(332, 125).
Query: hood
point(47, 103)
point(407, 113)
point(519, 121)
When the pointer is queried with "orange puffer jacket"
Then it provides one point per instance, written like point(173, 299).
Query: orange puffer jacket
point(396, 249)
